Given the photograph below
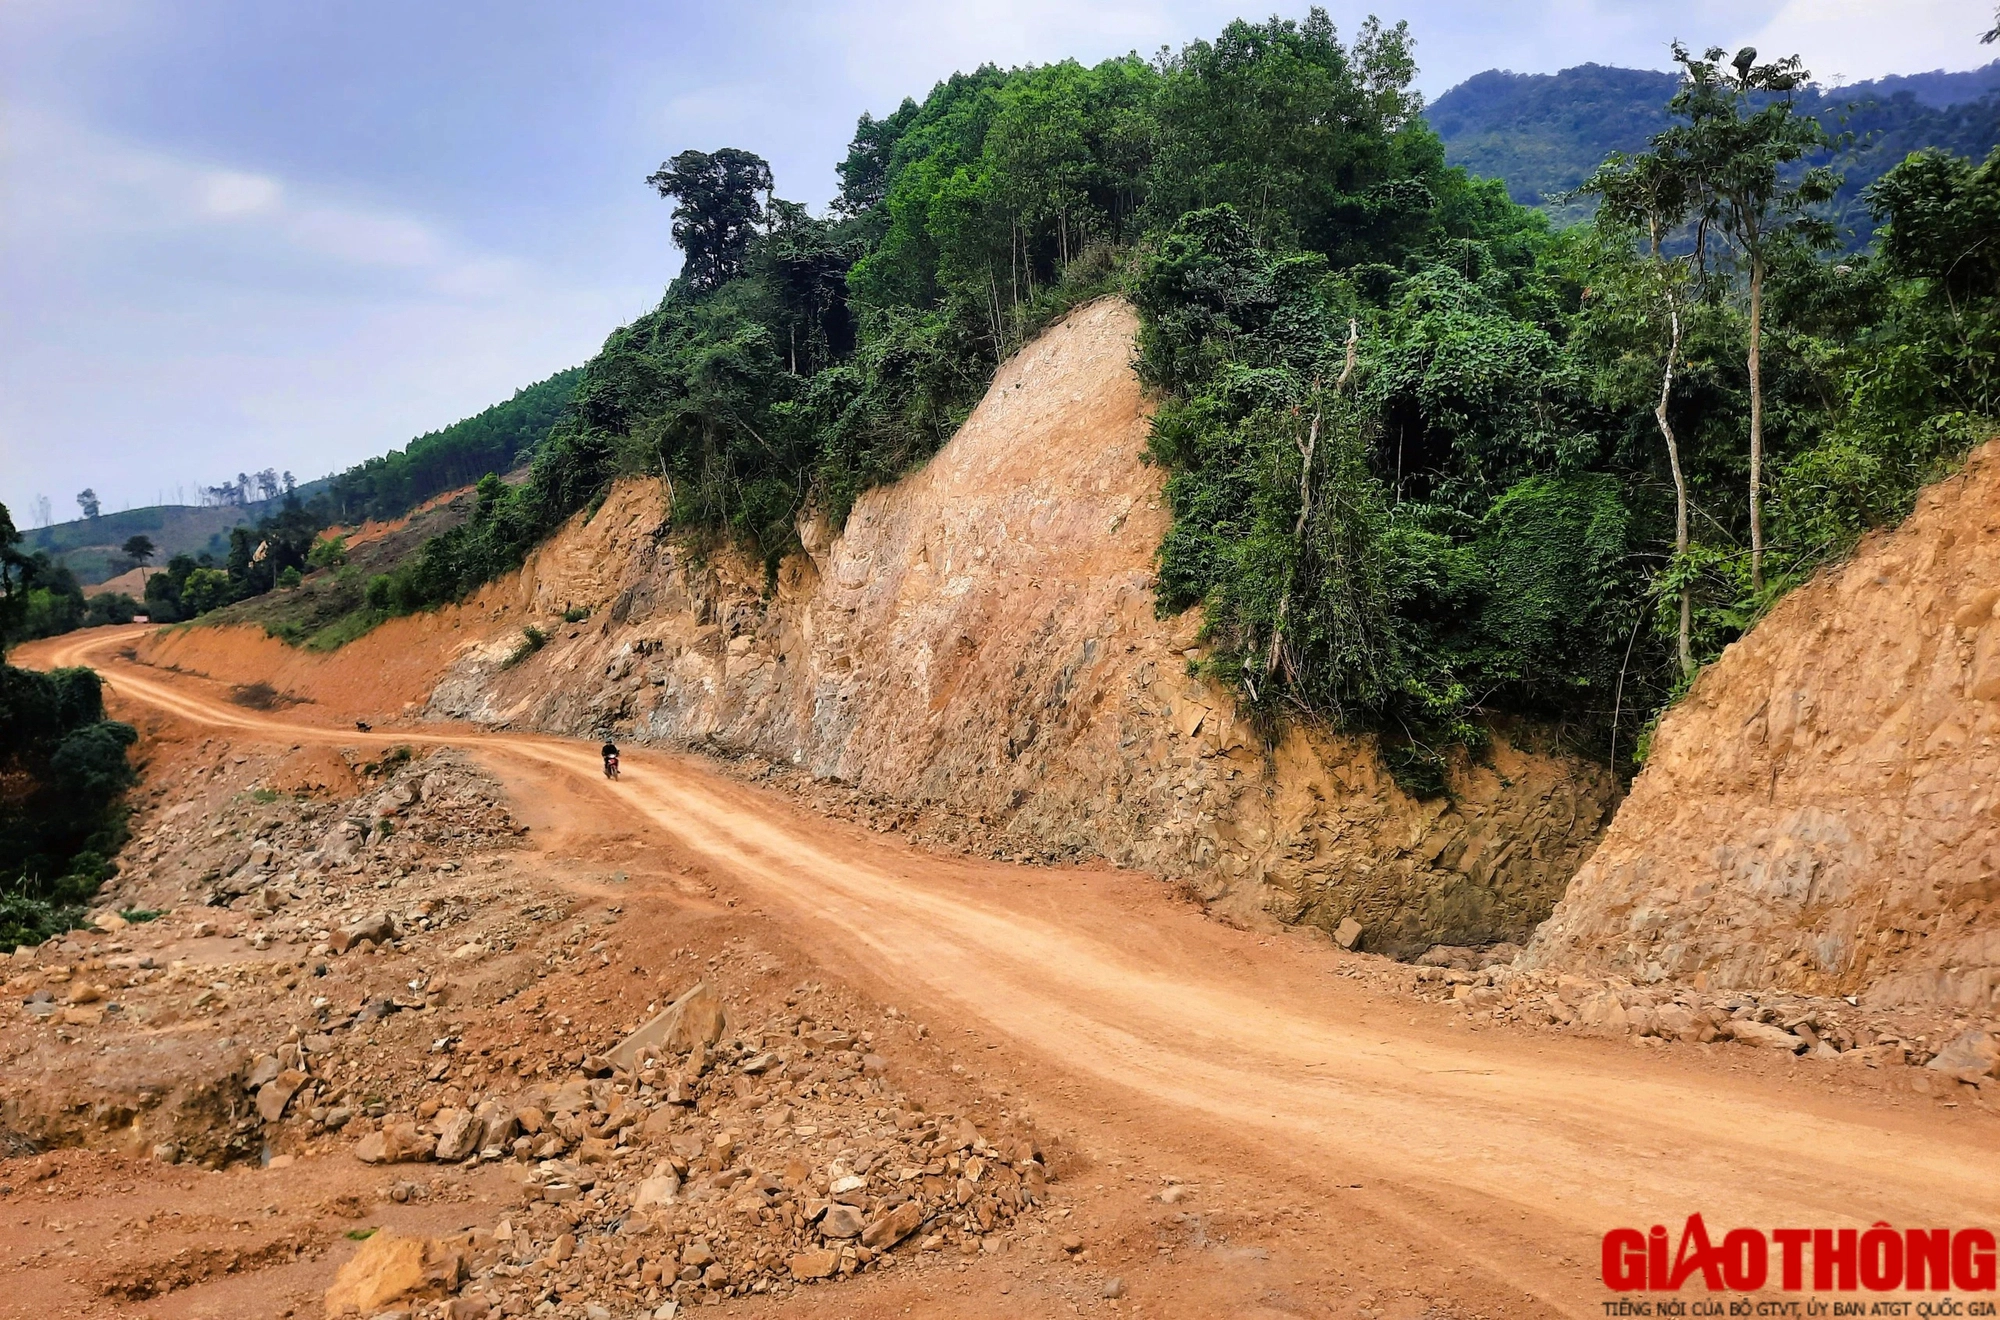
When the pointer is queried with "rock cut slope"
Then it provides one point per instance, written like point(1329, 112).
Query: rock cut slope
point(976, 654)
point(1822, 813)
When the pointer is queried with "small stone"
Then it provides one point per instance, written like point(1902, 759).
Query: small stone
point(841, 1221)
point(659, 1189)
point(819, 1264)
point(562, 1248)
point(274, 1095)
point(889, 1229)
point(697, 1253)
point(1976, 1052)
point(1114, 1288)
point(1348, 933)
point(1072, 1243)
point(458, 1135)
point(1765, 1035)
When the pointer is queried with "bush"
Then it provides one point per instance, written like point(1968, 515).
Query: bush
point(63, 770)
point(328, 552)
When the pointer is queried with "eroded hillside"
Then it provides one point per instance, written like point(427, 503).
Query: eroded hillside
point(977, 654)
point(976, 658)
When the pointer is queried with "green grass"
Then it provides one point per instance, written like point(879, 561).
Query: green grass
point(346, 628)
point(139, 916)
point(533, 639)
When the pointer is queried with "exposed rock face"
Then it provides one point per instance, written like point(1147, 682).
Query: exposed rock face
point(980, 643)
point(1823, 812)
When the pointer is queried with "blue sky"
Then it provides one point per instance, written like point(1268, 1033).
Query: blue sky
point(237, 234)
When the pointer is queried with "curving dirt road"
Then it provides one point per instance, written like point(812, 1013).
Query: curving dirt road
point(1506, 1154)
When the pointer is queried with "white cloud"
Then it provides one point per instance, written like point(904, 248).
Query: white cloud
point(165, 319)
point(1851, 40)
point(230, 193)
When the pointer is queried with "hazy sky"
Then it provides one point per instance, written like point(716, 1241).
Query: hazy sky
point(244, 233)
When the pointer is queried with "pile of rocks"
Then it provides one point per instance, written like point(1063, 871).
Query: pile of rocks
point(1841, 1030)
point(695, 1160)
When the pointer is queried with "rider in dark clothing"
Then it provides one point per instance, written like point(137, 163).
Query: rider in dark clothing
point(610, 760)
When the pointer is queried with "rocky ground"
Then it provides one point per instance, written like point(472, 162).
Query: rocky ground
point(364, 966)
point(370, 965)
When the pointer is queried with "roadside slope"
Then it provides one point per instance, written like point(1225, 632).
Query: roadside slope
point(976, 658)
point(1822, 813)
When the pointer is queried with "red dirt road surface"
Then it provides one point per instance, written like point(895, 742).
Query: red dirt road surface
point(1348, 1151)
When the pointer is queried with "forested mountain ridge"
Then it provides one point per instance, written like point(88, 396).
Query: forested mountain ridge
point(1545, 132)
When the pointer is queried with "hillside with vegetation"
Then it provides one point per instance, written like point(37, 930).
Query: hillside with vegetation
point(1545, 132)
point(494, 440)
point(1422, 473)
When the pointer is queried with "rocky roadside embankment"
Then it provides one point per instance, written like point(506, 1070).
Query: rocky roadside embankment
point(383, 976)
point(1820, 817)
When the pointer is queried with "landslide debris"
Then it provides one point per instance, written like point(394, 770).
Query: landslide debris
point(376, 972)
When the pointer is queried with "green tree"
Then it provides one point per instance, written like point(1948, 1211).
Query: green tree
point(717, 210)
point(139, 549)
point(1740, 135)
point(62, 770)
point(86, 499)
point(206, 589)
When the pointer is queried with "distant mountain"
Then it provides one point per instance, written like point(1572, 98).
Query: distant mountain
point(1545, 132)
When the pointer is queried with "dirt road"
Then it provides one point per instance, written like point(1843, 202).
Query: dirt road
point(1494, 1158)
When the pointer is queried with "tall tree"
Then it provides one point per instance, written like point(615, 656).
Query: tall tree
point(139, 549)
point(86, 499)
point(1740, 137)
point(1656, 193)
point(718, 210)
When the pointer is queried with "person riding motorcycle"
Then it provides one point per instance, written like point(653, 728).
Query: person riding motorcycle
point(611, 760)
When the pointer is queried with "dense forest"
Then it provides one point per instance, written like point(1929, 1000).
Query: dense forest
point(494, 440)
point(1545, 132)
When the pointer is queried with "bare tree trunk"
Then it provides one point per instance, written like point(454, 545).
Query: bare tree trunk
point(1680, 478)
point(1306, 501)
point(1756, 421)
